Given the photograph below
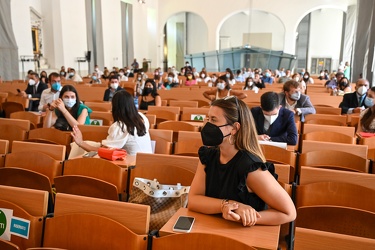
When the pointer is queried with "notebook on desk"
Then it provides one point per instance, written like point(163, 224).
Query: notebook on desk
point(276, 144)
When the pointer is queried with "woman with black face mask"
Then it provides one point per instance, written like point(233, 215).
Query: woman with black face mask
point(150, 96)
point(232, 177)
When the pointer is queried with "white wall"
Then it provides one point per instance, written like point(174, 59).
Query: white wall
point(261, 22)
point(197, 34)
point(74, 38)
point(65, 26)
point(22, 32)
point(111, 21)
point(325, 35)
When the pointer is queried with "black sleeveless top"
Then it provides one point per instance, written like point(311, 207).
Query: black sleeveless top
point(228, 181)
point(144, 105)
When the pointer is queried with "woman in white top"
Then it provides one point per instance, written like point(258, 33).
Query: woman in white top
point(129, 130)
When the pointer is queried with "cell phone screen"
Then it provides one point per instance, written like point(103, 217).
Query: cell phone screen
point(183, 224)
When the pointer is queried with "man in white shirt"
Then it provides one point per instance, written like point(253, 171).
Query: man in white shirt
point(52, 93)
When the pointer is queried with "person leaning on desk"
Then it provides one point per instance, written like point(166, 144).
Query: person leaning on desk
point(232, 177)
point(273, 122)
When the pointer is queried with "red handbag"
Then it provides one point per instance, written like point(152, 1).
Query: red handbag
point(112, 154)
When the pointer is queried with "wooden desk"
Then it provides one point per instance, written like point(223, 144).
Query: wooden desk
point(261, 237)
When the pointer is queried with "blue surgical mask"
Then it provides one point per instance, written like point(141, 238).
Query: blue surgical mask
point(267, 74)
point(69, 102)
point(94, 78)
point(369, 102)
point(170, 79)
point(56, 86)
point(220, 85)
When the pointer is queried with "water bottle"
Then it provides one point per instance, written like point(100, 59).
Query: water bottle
point(136, 101)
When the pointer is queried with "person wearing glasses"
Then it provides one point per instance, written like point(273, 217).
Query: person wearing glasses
point(233, 178)
point(222, 90)
point(273, 122)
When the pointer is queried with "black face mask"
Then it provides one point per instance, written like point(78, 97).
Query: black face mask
point(212, 135)
point(148, 91)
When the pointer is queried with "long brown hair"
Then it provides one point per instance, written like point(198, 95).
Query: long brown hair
point(369, 116)
point(246, 137)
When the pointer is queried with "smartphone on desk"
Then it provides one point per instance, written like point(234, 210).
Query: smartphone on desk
point(90, 154)
point(184, 224)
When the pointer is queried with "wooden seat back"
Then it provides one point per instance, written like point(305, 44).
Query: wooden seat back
point(336, 219)
point(197, 241)
point(167, 169)
point(359, 150)
point(10, 107)
point(102, 115)
point(99, 106)
point(33, 201)
point(90, 231)
point(35, 119)
point(308, 128)
point(188, 143)
point(335, 194)
point(7, 245)
point(94, 133)
point(312, 175)
point(309, 239)
point(326, 119)
point(334, 160)
point(35, 161)
point(136, 217)
point(163, 140)
point(97, 168)
point(183, 103)
point(57, 152)
point(329, 137)
point(86, 186)
point(4, 149)
point(36, 226)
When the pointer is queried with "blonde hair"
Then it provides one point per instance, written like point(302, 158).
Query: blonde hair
point(246, 137)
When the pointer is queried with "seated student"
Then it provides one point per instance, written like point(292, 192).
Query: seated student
point(344, 86)
point(128, 131)
point(292, 99)
point(232, 177)
point(222, 90)
point(190, 79)
point(273, 122)
point(170, 81)
point(50, 94)
point(94, 78)
point(249, 85)
point(113, 88)
point(150, 96)
point(367, 117)
point(258, 81)
point(229, 74)
point(239, 76)
point(34, 90)
point(267, 78)
point(354, 102)
point(69, 109)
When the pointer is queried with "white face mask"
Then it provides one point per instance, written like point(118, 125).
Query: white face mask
point(114, 85)
point(203, 75)
point(362, 90)
point(295, 96)
point(271, 118)
point(220, 85)
point(31, 82)
point(369, 102)
point(296, 78)
point(250, 83)
point(69, 102)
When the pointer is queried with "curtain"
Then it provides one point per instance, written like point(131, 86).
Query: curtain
point(127, 33)
point(94, 33)
point(180, 44)
point(9, 67)
point(351, 16)
point(364, 41)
